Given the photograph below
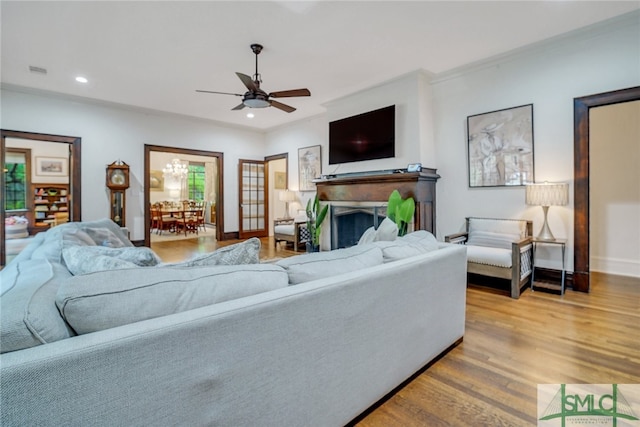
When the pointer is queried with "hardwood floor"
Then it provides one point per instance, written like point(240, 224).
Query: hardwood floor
point(179, 250)
point(510, 346)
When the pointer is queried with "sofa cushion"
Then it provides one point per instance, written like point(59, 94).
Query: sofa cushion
point(318, 265)
point(28, 313)
point(497, 257)
point(412, 244)
point(247, 252)
point(107, 299)
point(88, 259)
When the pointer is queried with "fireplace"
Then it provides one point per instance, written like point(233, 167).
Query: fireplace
point(348, 223)
point(362, 199)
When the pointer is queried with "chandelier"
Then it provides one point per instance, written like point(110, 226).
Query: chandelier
point(177, 169)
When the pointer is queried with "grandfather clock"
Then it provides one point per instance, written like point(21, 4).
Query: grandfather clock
point(118, 182)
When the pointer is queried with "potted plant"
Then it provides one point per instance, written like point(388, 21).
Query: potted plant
point(315, 217)
point(400, 211)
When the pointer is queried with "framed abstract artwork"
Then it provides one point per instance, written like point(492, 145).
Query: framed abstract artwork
point(500, 147)
point(309, 167)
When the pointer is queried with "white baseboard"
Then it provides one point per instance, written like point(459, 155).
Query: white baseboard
point(617, 266)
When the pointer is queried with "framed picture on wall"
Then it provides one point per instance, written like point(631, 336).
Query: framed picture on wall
point(280, 180)
point(52, 166)
point(500, 145)
point(309, 167)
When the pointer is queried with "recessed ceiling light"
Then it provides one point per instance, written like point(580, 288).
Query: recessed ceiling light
point(81, 79)
point(250, 115)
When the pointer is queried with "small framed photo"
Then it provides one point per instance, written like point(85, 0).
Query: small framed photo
point(280, 180)
point(309, 167)
point(501, 147)
point(52, 166)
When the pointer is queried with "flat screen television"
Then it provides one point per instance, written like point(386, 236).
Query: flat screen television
point(367, 136)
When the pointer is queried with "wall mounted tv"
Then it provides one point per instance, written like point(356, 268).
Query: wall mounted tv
point(367, 136)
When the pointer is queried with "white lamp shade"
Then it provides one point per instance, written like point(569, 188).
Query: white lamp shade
point(287, 196)
point(547, 194)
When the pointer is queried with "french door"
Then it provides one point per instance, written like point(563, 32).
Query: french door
point(254, 203)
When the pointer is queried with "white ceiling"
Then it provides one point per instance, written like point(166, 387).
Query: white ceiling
point(155, 54)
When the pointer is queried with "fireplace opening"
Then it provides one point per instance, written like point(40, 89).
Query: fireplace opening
point(348, 223)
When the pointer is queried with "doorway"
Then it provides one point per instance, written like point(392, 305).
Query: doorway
point(202, 181)
point(45, 189)
point(581, 108)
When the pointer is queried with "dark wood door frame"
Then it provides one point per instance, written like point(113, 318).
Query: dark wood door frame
point(581, 107)
point(219, 193)
point(75, 187)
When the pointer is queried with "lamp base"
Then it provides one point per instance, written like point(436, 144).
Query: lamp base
point(545, 232)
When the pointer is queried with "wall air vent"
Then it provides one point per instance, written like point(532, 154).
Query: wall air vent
point(38, 70)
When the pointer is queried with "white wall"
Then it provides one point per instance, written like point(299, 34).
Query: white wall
point(550, 76)
point(614, 193)
point(111, 132)
point(431, 122)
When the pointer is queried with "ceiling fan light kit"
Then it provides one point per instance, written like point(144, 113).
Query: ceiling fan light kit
point(256, 97)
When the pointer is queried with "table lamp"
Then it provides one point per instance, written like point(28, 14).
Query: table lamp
point(545, 195)
point(287, 196)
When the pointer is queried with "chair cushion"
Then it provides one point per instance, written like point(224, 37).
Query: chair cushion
point(107, 299)
point(489, 256)
point(496, 233)
point(288, 229)
point(504, 226)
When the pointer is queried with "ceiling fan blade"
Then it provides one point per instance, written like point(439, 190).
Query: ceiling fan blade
point(238, 107)
point(289, 93)
point(220, 93)
point(248, 82)
point(283, 107)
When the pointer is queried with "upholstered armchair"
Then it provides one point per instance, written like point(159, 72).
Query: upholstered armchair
point(291, 230)
point(499, 248)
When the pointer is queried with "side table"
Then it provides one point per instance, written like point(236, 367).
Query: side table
point(563, 245)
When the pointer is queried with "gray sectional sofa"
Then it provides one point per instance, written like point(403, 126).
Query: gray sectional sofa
point(312, 340)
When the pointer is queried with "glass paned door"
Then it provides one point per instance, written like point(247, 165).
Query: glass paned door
point(253, 201)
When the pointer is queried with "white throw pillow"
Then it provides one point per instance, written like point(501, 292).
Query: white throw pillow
point(247, 252)
point(88, 259)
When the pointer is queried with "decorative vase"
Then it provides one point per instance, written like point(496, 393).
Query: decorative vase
point(312, 248)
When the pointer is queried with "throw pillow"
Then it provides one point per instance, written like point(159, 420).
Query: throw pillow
point(247, 252)
point(387, 231)
point(88, 259)
point(28, 316)
point(416, 243)
point(108, 299)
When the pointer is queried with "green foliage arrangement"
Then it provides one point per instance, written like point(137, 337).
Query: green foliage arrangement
point(400, 211)
point(315, 216)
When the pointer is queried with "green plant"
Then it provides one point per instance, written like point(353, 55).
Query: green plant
point(315, 216)
point(400, 211)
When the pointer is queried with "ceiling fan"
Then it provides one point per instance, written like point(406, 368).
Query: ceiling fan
point(256, 97)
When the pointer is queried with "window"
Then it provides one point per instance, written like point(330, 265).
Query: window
point(16, 172)
point(195, 181)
